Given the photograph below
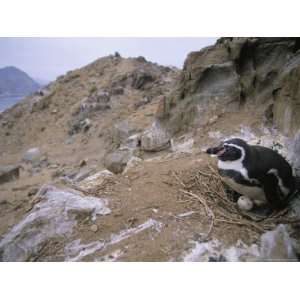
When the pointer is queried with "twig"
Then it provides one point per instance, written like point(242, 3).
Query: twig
point(178, 179)
point(241, 222)
point(207, 174)
point(208, 210)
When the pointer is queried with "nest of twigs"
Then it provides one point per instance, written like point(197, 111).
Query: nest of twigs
point(207, 189)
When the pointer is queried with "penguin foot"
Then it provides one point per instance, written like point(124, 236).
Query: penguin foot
point(264, 211)
point(258, 213)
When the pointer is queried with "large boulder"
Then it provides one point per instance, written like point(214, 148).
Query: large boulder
point(117, 160)
point(55, 216)
point(121, 131)
point(95, 180)
point(9, 173)
point(156, 138)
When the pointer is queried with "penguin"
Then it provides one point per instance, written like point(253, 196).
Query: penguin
point(262, 177)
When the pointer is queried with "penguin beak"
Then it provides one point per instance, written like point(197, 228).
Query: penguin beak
point(218, 151)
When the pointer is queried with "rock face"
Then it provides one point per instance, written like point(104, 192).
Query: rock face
point(54, 216)
point(140, 79)
point(295, 153)
point(235, 72)
point(9, 173)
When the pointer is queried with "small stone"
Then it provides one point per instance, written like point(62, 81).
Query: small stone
point(54, 166)
point(213, 120)
point(32, 192)
point(94, 228)
point(29, 207)
point(86, 124)
point(9, 173)
point(32, 155)
point(57, 173)
point(82, 163)
point(117, 90)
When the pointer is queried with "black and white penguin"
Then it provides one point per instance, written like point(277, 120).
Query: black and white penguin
point(261, 175)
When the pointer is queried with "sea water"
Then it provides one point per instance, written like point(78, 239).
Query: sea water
point(8, 101)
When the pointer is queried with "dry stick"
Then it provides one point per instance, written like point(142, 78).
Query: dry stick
point(178, 179)
point(223, 214)
point(208, 211)
point(218, 177)
point(201, 200)
point(207, 174)
point(240, 222)
point(285, 221)
point(230, 206)
point(279, 214)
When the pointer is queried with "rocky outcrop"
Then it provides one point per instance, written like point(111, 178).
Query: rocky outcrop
point(98, 100)
point(54, 216)
point(275, 245)
point(237, 72)
point(141, 78)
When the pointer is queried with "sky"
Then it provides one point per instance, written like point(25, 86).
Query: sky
point(47, 58)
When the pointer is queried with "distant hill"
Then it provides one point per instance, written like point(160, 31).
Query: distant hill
point(13, 81)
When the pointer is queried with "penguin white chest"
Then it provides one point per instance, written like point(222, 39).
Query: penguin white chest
point(253, 192)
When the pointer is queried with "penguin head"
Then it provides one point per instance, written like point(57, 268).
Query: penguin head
point(230, 150)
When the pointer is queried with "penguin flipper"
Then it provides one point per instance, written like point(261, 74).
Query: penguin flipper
point(270, 186)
